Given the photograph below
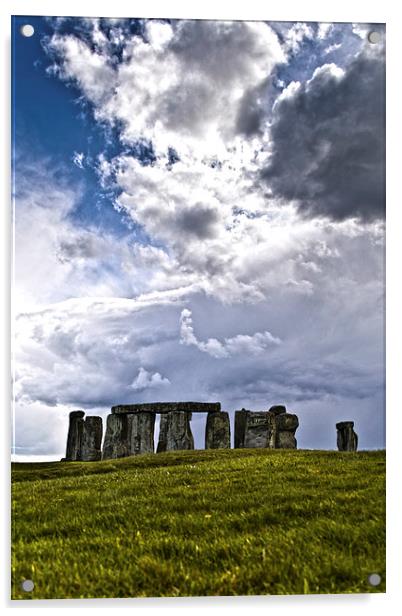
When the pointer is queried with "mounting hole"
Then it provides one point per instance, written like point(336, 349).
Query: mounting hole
point(27, 585)
point(374, 37)
point(27, 30)
point(374, 579)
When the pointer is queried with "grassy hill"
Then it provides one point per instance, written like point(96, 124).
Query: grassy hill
point(229, 522)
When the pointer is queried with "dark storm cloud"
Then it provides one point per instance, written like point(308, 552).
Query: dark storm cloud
point(328, 141)
point(292, 381)
point(199, 221)
point(251, 113)
point(222, 50)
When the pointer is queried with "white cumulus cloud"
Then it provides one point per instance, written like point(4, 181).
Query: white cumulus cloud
point(236, 345)
point(146, 380)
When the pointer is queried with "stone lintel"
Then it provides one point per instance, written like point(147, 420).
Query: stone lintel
point(167, 407)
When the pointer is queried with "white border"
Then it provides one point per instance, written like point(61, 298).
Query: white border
point(291, 10)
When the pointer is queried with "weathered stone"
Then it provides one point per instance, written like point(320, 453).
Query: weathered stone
point(347, 439)
point(286, 425)
point(277, 409)
point(175, 432)
point(274, 430)
point(168, 407)
point(115, 444)
point(287, 421)
point(141, 427)
point(74, 437)
point(129, 435)
point(254, 429)
point(217, 431)
point(92, 439)
point(258, 430)
point(240, 428)
point(286, 440)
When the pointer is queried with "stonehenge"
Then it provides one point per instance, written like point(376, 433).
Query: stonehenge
point(130, 430)
point(346, 437)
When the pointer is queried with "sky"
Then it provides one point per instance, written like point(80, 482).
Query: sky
point(198, 215)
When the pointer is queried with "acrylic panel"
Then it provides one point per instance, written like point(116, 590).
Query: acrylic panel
point(198, 307)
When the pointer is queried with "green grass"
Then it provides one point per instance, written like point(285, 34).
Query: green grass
point(229, 522)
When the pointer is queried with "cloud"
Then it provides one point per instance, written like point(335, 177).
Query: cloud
point(147, 380)
point(82, 352)
point(328, 141)
point(90, 70)
point(189, 79)
point(239, 344)
point(78, 159)
point(296, 35)
point(324, 29)
point(51, 244)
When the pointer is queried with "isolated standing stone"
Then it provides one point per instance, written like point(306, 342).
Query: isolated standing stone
point(347, 438)
point(175, 432)
point(75, 435)
point(217, 431)
point(92, 439)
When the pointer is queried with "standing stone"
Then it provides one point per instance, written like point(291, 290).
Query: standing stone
point(274, 429)
point(258, 430)
point(286, 426)
point(128, 435)
point(347, 438)
point(286, 440)
point(287, 422)
point(175, 432)
point(240, 428)
point(116, 437)
point(217, 431)
point(92, 439)
point(273, 433)
point(75, 435)
point(141, 427)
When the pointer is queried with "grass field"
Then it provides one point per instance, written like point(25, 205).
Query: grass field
point(229, 522)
